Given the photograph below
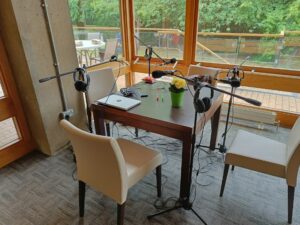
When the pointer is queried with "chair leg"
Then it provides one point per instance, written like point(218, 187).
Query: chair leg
point(136, 132)
point(291, 192)
point(121, 211)
point(232, 168)
point(224, 179)
point(81, 198)
point(158, 181)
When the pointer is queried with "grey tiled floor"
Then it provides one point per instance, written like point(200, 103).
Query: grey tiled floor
point(40, 190)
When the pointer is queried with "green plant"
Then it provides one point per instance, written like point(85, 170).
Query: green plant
point(177, 85)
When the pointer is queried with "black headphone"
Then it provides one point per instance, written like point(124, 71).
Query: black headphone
point(82, 81)
point(202, 105)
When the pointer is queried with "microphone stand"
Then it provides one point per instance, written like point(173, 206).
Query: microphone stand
point(148, 55)
point(235, 82)
point(67, 114)
point(222, 147)
point(186, 203)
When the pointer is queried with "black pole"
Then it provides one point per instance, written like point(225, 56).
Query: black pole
point(164, 61)
point(204, 84)
point(73, 71)
point(222, 147)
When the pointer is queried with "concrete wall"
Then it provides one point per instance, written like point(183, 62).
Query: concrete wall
point(23, 29)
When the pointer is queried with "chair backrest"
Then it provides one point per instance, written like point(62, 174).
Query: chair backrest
point(204, 71)
point(102, 82)
point(110, 48)
point(293, 154)
point(100, 162)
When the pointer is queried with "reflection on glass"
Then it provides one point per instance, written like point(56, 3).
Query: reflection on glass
point(1, 91)
point(96, 28)
point(230, 34)
point(8, 133)
point(161, 25)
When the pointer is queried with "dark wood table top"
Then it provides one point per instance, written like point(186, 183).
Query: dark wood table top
point(157, 108)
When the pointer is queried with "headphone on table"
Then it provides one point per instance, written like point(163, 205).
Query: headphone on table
point(204, 104)
point(81, 79)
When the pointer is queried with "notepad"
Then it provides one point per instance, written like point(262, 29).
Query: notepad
point(118, 101)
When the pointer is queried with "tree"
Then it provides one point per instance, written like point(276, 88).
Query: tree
point(241, 16)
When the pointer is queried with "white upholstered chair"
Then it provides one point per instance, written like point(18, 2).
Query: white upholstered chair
point(110, 49)
point(204, 71)
point(268, 156)
point(110, 166)
point(102, 83)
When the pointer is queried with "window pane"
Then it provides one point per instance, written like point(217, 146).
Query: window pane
point(267, 31)
point(96, 27)
point(1, 91)
point(161, 25)
point(8, 133)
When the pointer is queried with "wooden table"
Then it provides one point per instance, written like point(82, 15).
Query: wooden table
point(155, 114)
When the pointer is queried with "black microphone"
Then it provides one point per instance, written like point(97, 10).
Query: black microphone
point(160, 73)
point(252, 101)
point(171, 61)
point(234, 82)
point(113, 58)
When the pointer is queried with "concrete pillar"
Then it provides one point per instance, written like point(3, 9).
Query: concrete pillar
point(23, 29)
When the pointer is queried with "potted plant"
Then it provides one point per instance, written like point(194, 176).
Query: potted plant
point(177, 91)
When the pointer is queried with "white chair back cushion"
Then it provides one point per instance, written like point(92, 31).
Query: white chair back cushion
point(293, 154)
point(102, 82)
point(204, 71)
point(110, 48)
point(100, 162)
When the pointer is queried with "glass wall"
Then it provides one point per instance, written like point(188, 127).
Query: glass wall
point(160, 24)
point(96, 26)
point(8, 132)
point(266, 31)
point(1, 91)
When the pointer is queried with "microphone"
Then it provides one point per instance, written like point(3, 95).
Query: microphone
point(160, 73)
point(113, 58)
point(171, 61)
point(252, 101)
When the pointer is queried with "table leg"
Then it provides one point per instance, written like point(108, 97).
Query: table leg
point(99, 122)
point(214, 128)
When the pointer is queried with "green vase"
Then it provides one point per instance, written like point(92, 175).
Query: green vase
point(177, 99)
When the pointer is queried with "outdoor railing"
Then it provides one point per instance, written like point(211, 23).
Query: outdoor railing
point(266, 50)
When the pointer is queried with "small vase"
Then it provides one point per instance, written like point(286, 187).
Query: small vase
point(177, 99)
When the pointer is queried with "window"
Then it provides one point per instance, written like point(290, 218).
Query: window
point(1, 91)
point(160, 24)
point(266, 31)
point(96, 27)
point(8, 132)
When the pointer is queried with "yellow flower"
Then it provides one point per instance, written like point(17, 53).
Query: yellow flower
point(178, 82)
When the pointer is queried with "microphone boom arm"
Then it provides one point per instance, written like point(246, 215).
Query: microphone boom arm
point(73, 71)
point(202, 84)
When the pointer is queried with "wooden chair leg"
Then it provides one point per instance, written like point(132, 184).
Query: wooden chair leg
point(224, 179)
point(121, 211)
point(158, 181)
point(291, 192)
point(81, 198)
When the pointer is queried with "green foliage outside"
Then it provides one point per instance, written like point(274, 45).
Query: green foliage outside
point(233, 16)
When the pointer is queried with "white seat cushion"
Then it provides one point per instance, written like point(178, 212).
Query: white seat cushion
point(257, 153)
point(139, 160)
